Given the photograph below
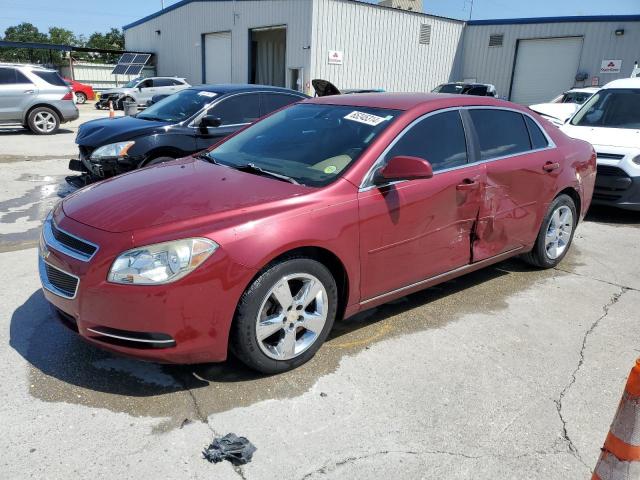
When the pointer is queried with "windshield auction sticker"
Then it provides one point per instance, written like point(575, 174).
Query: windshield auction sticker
point(207, 94)
point(365, 118)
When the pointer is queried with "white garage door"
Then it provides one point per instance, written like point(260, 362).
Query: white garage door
point(217, 57)
point(545, 68)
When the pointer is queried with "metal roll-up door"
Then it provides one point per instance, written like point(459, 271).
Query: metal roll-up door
point(217, 57)
point(545, 68)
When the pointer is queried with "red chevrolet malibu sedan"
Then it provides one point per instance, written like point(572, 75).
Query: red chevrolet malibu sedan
point(317, 212)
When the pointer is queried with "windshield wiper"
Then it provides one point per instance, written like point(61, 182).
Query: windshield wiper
point(151, 118)
point(252, 167)
point(206, 157)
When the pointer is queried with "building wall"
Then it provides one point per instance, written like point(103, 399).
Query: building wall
point(413, 5)
point(381, 47)
point(495, 64)
point(178, 48)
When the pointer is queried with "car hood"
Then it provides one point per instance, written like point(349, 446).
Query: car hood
point(175, 192)
point(561, 111)
point(96, 133)
point(610, 137)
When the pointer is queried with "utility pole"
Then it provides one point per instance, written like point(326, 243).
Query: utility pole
point(471, 10)
point(162, 4)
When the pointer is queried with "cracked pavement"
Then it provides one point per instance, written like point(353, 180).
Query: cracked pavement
point(509, 372)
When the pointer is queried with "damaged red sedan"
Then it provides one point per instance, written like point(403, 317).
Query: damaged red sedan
point(315, 213)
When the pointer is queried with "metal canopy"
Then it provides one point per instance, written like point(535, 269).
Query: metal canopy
point(65, 48)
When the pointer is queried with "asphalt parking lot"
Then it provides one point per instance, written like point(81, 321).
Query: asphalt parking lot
point(508, 372)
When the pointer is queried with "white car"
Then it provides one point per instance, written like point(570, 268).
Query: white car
point(558, 110)
point(141, 90)
point(610, 121)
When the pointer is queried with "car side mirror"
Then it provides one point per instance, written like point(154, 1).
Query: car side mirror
point(139, 88)
point(209, 121)
point(404, 168)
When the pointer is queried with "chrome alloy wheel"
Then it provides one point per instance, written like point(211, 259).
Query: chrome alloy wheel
point(44, 122)
point(559, 232)
point(292, 316)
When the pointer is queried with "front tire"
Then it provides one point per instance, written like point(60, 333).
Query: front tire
point(285, 315)
point(159, 160)
point(43, 121)
point(556, 233)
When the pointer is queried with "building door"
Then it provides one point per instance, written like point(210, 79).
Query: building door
point(545, 68)
point(268, 56)
point(217, 58)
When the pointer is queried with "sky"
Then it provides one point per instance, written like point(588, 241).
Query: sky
point(88, 16)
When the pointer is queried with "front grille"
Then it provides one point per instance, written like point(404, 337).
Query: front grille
point(610, 171)
point(72, 242)
point(610, 156)
point(63, 283)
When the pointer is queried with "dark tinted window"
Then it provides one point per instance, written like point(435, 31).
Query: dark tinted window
point(275, 101)
point(538, 140)
point(52, 78)
point(613, 108)
point(22, 78)
point(480, 91)
point(7, 76)
point(500, 132)
point(163, 82)
point(439, 139)
point(238, 109)
point(148, 83)
point(176, 82)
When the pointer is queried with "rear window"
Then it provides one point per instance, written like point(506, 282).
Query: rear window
point(52, 78)
point(500, 132)
point(611, 108)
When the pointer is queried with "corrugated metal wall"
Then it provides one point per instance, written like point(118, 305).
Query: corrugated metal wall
point(495, 64)
point(381, 47)
point(178, 48)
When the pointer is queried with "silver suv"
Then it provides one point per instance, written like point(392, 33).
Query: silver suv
point(35, 97)
point(140, 91)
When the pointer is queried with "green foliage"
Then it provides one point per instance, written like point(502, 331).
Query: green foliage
point(26, 32)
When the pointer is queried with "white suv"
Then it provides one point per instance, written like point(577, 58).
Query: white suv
point(141, 90)
point(35, 97)
point(610, 121)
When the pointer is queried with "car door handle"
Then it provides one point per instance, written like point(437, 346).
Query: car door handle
point(550, 166)
point(467, 184)
point(29, 92)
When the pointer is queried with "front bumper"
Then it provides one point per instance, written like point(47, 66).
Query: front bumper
point(614, 187)
point(103, 168)
point(184, 322)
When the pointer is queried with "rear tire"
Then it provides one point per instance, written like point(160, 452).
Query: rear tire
point(43, 121)
point(81, 98)
point(556, 234)
point(285, 315)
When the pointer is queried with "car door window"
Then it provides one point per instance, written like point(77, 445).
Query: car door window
point(148, 83)
point(500, 132)
point(237, 109)
point(162, 82)
point(479, 91)
point(538, 139)
point(439, 139)
point(275, 101)
point(175, 83)
point(11, 76)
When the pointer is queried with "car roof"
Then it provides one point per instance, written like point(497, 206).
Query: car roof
point(584, 90)
point(624, 83)
point(409, 101)
point(224, 88)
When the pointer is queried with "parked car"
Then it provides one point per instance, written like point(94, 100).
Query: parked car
point(610, 120)
point(321, 210)
point(462, 88)
point(35, 97)
point(186, 122)
point(140, 91)
point(561, 108)
point(324, 88)
point(82, 91)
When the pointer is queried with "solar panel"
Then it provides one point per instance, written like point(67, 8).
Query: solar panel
point(120, 70)
point(127, 58)
point(142, 58)
point(134, 69)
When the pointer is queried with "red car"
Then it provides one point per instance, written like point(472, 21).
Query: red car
point(82, 91)
point(317, 212)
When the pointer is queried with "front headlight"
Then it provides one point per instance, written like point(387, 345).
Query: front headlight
point(113, 150)
point(162, 262)
point(636, 160)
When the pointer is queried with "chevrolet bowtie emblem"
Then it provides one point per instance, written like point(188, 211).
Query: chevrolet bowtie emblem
point(44, 252)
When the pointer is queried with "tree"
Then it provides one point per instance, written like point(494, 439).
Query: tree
point(61, 36)
point(25, 32)
point(112, 40)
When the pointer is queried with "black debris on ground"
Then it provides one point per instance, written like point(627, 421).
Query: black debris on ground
point(238, 450)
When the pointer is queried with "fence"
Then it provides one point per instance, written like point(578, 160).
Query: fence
point(98, 75)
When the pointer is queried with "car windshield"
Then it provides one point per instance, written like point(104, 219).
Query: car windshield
point(612, 108)
point(312, 144)
point(132, 83)
point(449, 88)
point(178, 107)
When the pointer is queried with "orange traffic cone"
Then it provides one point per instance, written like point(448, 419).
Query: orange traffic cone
point(112, 112)
point(620, 458)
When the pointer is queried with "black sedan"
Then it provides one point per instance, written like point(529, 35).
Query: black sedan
point(176, 126)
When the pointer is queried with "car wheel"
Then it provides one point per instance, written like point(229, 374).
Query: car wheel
point(43, 121)
point(158, 160)
point(285, 315)
point(556, 234)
